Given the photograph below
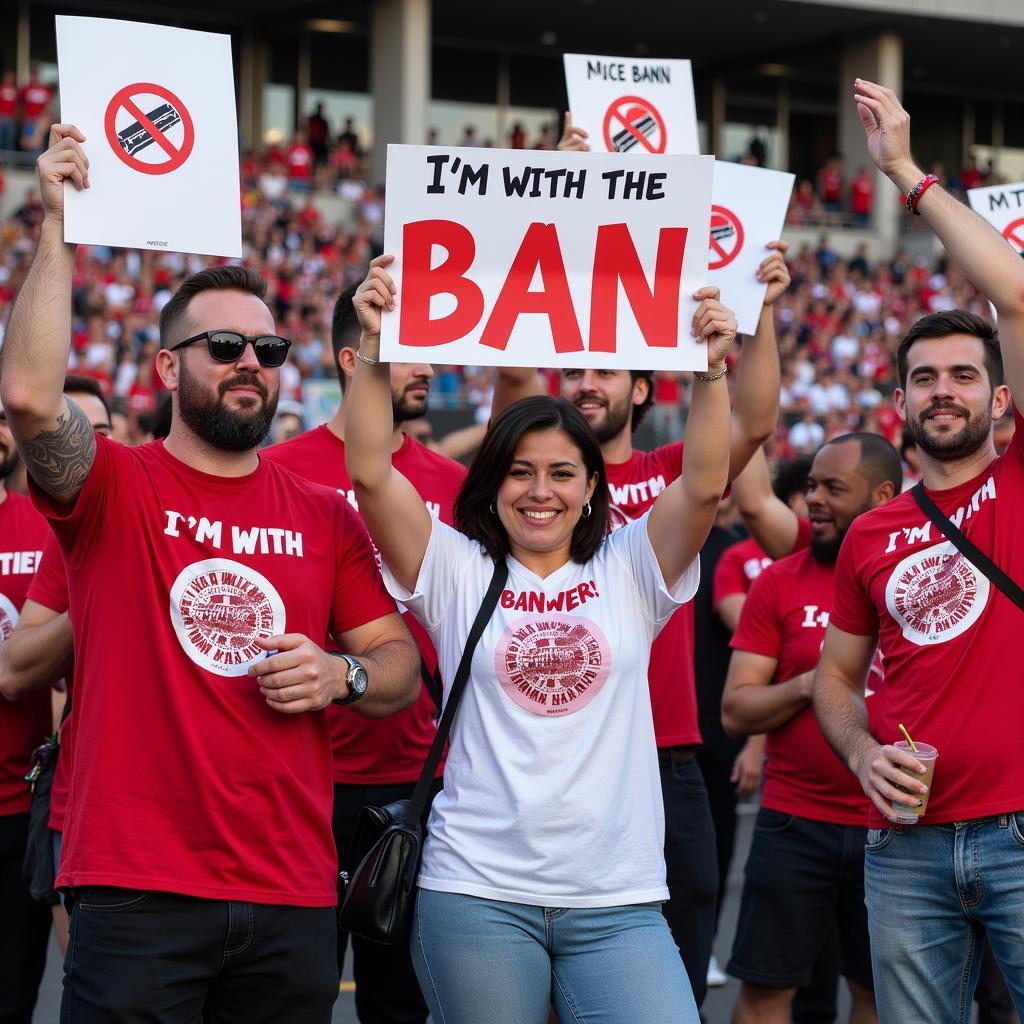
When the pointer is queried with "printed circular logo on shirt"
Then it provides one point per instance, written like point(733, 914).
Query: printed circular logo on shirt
point(936, 595)
point(219, 609)
point(551, 666)
point(8, 617)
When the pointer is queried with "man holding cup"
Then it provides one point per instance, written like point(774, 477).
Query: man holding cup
point(934, 890)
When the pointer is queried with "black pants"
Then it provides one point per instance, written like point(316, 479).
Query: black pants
point(692, 864)
point(139, 957)
point(387, 991)
point(25, 928)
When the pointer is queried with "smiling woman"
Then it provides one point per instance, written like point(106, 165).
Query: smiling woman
point(536, 812)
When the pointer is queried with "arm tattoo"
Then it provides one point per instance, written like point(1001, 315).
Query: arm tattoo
point(59, 460)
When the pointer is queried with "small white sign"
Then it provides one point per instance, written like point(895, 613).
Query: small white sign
point(157, 108)
point(520, 258)
point(748, 210)
point(633, 105)
point(1003, 207)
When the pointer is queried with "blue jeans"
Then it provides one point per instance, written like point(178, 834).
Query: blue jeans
point(934, 892)
point(504, 963)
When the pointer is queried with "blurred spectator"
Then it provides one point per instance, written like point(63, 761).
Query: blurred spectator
point(547, 137)
point(300, 163)
point(830, 185)
point(318, 132)
point(517, 137)
point(469, 136)
point(34, 99)
point(806, 436)
point(862, 192)
point(970, 176)
point(8, 112)
point(348, 134)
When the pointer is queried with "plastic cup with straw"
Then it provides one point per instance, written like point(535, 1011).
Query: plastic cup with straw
point(926, 754)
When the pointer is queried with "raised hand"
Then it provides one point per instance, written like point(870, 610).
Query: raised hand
point(774, 272)
point(715, 324)
point(375, 294)
point(887, 126)
point(574, 139)
point(64, 159)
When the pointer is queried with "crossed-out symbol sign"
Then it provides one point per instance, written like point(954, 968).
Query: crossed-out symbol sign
point(631, 121)
point(726, 238)
point(1014, 234)
point(134, 124)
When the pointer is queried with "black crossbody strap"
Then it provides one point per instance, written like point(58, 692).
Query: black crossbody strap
point(431, 683)
point(977, 558)
point(418, 800)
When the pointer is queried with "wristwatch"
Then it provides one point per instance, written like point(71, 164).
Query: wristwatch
point(356, 679)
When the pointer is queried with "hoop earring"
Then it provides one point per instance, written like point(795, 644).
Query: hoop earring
point(587, 510)
point(492, 509)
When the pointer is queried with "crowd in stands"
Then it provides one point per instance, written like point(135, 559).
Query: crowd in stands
point(26, 112)
point(838, 324)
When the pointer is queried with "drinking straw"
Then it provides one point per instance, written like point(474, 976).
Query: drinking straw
point(903, 729)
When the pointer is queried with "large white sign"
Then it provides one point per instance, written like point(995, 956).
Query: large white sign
point(633, 104)
point(157, 108)
point(1003, 207)
point(748, 211)
point(513, 258)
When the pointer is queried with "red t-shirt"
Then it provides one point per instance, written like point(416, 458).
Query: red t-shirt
point(25, 723)
point(300, 161)
point(379, 751)
point(862, 189)
point(737, 569)
point(946, 634)
point(831, 182)
point(8, 100)
point(634, 486)
point(183, 779)
point(784, 617)
point(34, 97)
point(49, 587)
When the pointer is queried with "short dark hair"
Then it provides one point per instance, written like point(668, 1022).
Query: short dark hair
point(791, 477)
point(879, 460)
point(472, 512)
point(949, 322)
point(640, 411)
point(345, 328)
point(80, 384)
point(231, 278)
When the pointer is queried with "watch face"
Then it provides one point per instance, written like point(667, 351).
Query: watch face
point(357, 679)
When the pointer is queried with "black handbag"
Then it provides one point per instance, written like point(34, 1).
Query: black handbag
point(380, 890)
point(967, 548)
point(38, 867)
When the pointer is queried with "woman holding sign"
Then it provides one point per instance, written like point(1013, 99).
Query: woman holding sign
point(543, 873)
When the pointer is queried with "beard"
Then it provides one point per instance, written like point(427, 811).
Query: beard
point(971, 437)
point(207, 415)
point(826, 552)
point(9, 459)
point(616, 418)
point(405, 407)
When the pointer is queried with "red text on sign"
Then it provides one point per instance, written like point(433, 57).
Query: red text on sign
point(655, 306)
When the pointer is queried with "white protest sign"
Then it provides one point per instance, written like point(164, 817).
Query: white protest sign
point(1003, 207)
point(157, 108)
point(525, 258)
point(633, 105)
point(748, 210)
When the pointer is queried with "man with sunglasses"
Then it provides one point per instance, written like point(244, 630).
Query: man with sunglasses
point(197, 852)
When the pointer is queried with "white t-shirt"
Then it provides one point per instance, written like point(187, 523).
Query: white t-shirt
point(552, 795)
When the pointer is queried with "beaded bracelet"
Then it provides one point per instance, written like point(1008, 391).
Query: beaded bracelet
point(366, 359)
point(707, 378)
point(913, 197)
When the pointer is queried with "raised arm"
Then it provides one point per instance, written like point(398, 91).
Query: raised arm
point(54, 436)
point(771, 522)
point(393, 512)
point(36, 654)
point(512, 383)
point(684, 513)
point(970, 241)
point(758, 378)
point(839, 706)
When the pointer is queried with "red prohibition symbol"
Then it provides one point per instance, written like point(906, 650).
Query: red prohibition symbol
point(631, 121)
point(726, 238)
point(1014, 234)
point(149, 128)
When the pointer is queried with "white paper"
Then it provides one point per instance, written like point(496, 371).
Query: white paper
point(635, 105)
point(178, 192)
point(748, 211)
point(1003, 207)
point(560, 329)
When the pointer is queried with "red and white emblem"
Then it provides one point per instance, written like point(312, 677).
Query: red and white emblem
point(936, 595)
point(219, 609)
point(552, 666)
point(8, 617)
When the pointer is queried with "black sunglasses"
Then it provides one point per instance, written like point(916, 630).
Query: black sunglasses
point(228, 346)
